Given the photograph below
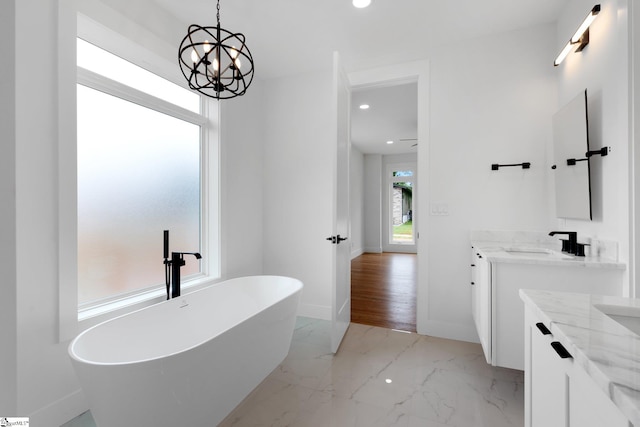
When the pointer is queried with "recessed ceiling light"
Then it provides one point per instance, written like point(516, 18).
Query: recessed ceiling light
point(389, 142)
point(364, 107)
point(361, 3)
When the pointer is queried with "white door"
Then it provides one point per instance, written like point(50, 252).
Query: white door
point(341, 290)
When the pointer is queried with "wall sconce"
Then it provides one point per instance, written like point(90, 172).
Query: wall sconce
point(580, 38)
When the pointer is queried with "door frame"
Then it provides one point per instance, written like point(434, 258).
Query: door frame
point(634, 152)
point(387, 181)
point(416, 71)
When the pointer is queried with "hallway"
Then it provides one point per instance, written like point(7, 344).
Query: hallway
point(383, 290)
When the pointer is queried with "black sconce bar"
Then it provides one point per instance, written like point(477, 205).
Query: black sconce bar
point(525, 165)
point(601, 152)
point(580, 38)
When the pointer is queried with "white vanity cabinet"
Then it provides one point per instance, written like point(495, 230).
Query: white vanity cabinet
point(481, 299)
point(546, 385)
point(558, 392)
point(497, 309)
point(589, 406)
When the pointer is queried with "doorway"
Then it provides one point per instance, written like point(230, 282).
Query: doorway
point(383, 290)
point(384, 130)
point(399, 222)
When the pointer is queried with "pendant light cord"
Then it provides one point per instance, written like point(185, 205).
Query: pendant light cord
point(218, 13)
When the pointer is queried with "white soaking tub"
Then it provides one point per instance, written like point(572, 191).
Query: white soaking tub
point(188, 361)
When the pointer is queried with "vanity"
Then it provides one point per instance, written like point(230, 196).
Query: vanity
point(582, 360)
point(500, 270)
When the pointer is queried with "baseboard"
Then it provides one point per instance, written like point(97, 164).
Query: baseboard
point(373, 250)
point(400, 249)
point(452, 331)
point(356, 253)
point(60, 411)
point(314, 311)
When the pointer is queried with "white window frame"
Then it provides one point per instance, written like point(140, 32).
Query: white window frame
point(73, 320)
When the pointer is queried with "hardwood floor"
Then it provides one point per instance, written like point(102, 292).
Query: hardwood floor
point(383, 290)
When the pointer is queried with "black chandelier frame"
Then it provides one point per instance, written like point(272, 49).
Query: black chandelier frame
point(216, 63)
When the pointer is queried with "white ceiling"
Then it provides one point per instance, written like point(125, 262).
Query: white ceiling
point(392, 116)
point(288, 37)
point(291, 36)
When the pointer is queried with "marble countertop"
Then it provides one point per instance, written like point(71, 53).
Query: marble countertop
point(608, 352)
point(540, 254)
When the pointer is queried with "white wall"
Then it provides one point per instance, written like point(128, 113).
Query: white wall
point(242, 151)
point(43, 370)
point(372, 202)
point(356, 204)
point(491, 102)
point(602, 68)
point(8, 302)
point(297, 186)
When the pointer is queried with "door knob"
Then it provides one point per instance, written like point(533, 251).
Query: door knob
point(332, 239)
point(340, 239)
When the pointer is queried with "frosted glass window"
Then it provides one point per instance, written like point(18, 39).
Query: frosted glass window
point(109, 65)
point(138, 174)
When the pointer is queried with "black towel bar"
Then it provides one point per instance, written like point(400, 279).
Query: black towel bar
point(525, 165)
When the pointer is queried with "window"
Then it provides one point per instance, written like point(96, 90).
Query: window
point(142, 167)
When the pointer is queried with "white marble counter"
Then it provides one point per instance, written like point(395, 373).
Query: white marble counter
point(511, 247)
point(540, 254)
point(607, 351)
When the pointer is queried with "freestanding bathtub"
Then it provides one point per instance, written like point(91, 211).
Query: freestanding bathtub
point(188, 361)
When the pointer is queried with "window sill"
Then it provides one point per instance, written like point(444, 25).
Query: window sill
point(97, 314)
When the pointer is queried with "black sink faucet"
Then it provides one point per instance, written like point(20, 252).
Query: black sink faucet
point(173, 266)
point(571, 245)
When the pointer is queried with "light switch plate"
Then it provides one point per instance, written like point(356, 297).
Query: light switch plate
point(439, 209)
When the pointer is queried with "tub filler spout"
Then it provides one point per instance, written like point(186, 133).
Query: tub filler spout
point(173, 266)
point(178, 261)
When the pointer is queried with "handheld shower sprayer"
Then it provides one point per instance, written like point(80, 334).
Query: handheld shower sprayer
point(167, 263)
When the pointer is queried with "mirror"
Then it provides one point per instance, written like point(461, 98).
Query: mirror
point(571, 165)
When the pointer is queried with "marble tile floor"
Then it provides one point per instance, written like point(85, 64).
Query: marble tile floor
point(379, 377)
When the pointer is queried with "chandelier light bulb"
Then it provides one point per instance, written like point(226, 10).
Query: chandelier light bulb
point(206, 46)
point(238, 63)
point(194, 56)
point(233, 52)
point(216, 64)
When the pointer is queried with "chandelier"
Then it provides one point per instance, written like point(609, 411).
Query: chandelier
point(216, 62)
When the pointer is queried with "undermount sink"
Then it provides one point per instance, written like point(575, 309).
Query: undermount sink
point(629, 317)
point(536, 253)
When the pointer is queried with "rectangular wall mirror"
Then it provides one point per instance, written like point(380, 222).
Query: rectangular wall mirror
point(571, 164)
